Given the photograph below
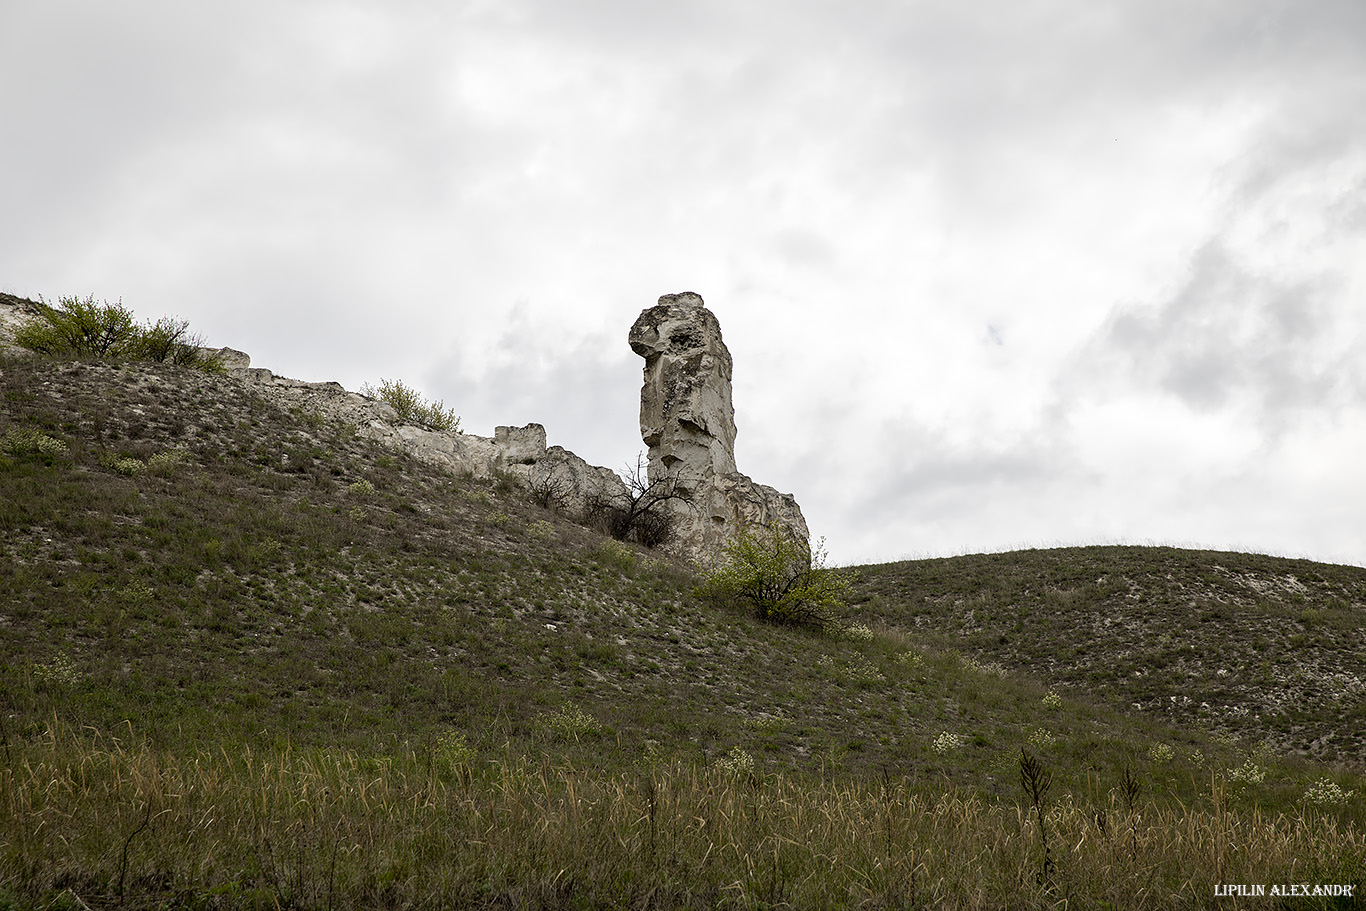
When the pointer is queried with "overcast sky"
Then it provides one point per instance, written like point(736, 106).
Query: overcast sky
point(994, 274)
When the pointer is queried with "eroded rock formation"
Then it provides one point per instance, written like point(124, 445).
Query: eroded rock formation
point(687, 420)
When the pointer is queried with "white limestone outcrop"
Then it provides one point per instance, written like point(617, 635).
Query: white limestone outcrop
point(687, 419)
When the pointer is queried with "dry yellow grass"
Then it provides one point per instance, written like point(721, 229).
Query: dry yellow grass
point(102, 820)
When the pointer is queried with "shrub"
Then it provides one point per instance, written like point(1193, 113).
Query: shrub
point(411, 408)
point(569, 723)
point(779, 577)
point(1161, 752)
point(855, 632)
point(643, 512)
point(947, 742)
point(453, 750)
point(80, 327)
point(857, 668)
point(126, 466)
point(1327, 793)
point(1249, 772)
point(737, 762)
point(169, 341)
point(910, 658)
point(84, 328)
point(167, 461)
point(617, 555)
point(60, 673)
point(29, 441)
point(548, 487)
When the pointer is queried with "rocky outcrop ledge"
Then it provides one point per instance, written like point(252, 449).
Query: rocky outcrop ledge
point(686, 417)
point(517, 452)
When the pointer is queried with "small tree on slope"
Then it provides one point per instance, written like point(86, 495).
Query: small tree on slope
point(780, 577)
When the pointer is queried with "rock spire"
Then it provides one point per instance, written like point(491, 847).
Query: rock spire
point(687, 421)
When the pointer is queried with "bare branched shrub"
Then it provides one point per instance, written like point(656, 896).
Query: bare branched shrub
point(643, 513)
point(551, 488)
point(170, 341)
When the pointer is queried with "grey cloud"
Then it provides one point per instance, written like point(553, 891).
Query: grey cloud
point(804, 248)
point(918, 470)
point(1229, 338)
point(587, 394)
point(241, 156)
point(982, 92)
point(912, 488)
point(1278, 346)
point(1348, 213)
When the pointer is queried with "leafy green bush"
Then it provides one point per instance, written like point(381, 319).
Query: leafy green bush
point(780, 577)
point(454, 752)
point(80, 327)
point(29, 441)
point(169, 341)
point(166, 462)
point(84, 328)
point(124, 465)
point(408, 403)
point(568, 723)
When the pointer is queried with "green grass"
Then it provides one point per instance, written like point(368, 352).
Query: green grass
point(327, 675)
point(1263, 647)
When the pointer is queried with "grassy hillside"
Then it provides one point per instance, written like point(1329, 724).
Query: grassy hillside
point(250, 659)
point(1266, 648)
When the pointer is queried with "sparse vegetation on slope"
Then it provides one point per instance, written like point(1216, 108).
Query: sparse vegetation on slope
point(248, 659)
point(84, 328)
point(1259, 647)
point(412, 408)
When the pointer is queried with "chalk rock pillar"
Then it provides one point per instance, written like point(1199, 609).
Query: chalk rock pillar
point(687, 421)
